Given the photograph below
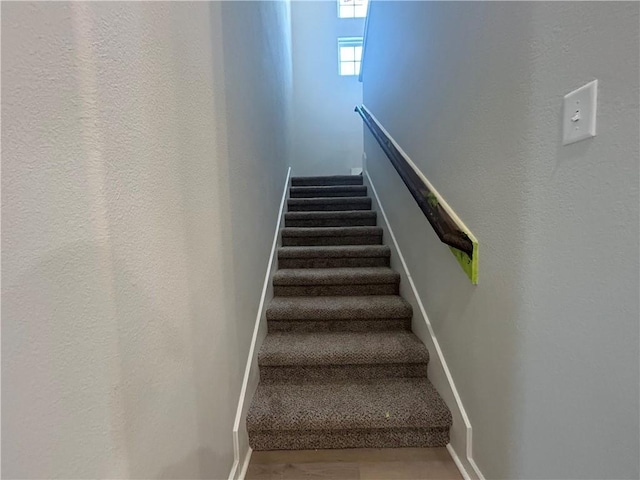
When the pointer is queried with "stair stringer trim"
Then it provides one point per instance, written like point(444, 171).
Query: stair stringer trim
point(241, 448)
point(461, 433)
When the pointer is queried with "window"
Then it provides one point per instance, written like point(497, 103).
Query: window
point(352, 8)
point(349, 55)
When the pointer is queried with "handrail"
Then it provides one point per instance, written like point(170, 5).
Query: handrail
point(444, 226)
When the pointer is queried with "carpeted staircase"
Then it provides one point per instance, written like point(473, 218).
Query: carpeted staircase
point(340, 367)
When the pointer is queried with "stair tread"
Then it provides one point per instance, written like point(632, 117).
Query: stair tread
point(335, 251)
point(328, 188)
point(345, 217)
point(376, 404)
point(328, 200)
point(312, 215)
point(341, 348)
point(327, 180)
point(330, 231)
point(339, 308)
point(336, 276)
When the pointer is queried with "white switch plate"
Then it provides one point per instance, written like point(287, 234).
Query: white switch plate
point(579, 117)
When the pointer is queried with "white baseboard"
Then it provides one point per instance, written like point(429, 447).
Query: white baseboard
point(245, 464)
point(440, 376)
point(456, 460)
point(241, 448)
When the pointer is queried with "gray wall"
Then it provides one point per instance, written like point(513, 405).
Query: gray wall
point(544, 351)
point(327, 135)
point(143, 160)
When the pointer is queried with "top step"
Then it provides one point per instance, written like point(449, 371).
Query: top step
point(323, 181)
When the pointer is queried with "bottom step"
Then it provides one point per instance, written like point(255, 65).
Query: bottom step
point(406, 412)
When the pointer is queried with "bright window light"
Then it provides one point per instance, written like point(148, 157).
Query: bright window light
point(352, 8)
point(349, 55)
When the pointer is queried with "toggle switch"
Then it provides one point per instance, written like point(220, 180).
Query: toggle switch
point(579, 117)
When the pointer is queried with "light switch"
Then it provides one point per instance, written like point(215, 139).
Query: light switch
point(579, 117)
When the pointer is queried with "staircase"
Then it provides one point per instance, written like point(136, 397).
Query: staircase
point(340, 367)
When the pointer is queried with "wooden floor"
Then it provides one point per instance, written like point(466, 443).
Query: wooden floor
point(354, 464)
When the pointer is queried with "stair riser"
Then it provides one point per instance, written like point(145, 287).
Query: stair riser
point(335, 290)
point(337, 373)
point(359, 192)
point(333, 262)
point(370, 438)
point(327, 241)
point(328, 207)
point(331, 222)
point(374, 325)
point(325, 182)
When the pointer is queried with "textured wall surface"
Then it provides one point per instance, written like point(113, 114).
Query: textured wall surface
point(327, 134)
point(544, 351)
point(143, 158)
